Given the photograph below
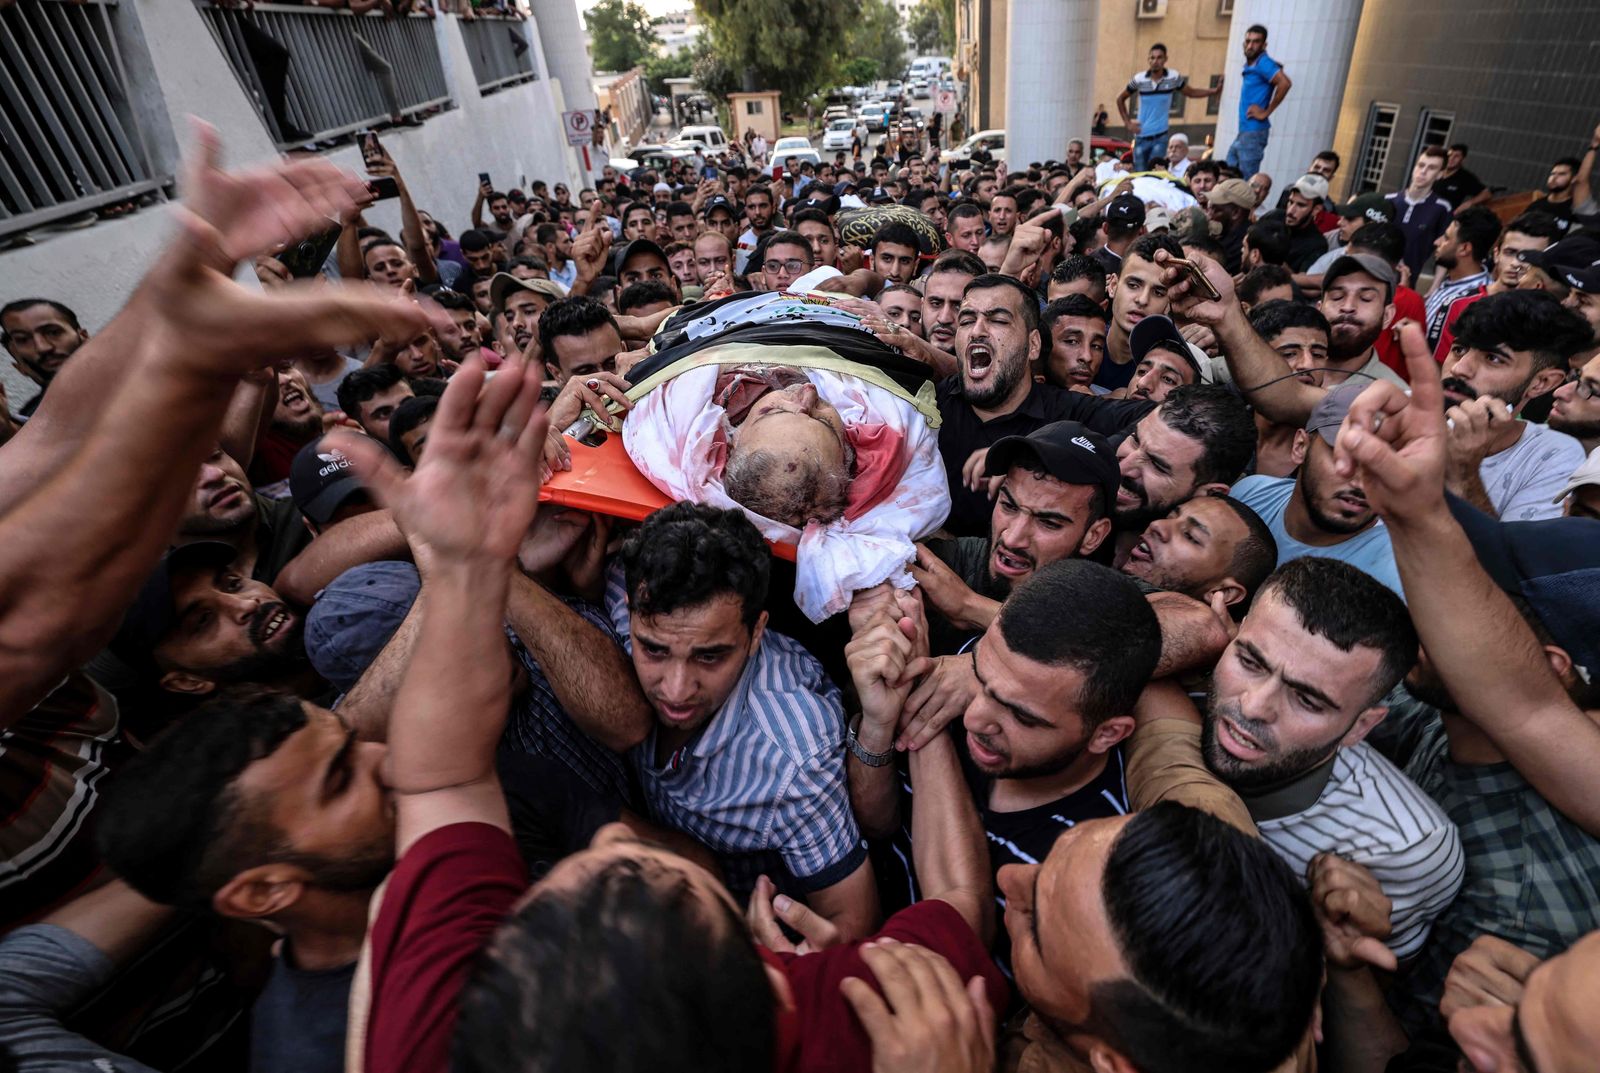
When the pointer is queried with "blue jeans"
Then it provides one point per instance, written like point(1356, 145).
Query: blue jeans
point(1147, 148)
point(1248, 147)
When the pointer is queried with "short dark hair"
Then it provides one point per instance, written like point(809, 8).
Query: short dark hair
point(1433, 150)
point(1272, 319)
point(1381, 237)
point(789, 238)
point(545, 234)
point(1073, 305)
point(1459, 147)
point(637, 206)
point(577, 314)
point(1479, 228)
point(361, 384)
point(1270, 239)
point(1114, 646)
point(636, 958)
point(1155, 46)
point(1568, 161)
point(811, 216)
point(679, 208)
point(172, 823)
point(758, 188)
point(1204, 243)
point(1145, 246)
point(527, 261)
point(1080, 266)
point(63, 311)
point(471, 241)
point(407, 416)
point(686, 554)
point(1256, 556)
point(644, 292)
point(960, 261)
point(1012, 192)
point(1535, 321)
point(1030, 303)
point(1536, 223)
point(1256, 28)
point(447, 298)
point(897, 232)
point(1263, 278)
point(1349, 607)
point(961, 210)
point(1205, 167)
point(1220, 420)
point(1330, 155)
point(1235, 995)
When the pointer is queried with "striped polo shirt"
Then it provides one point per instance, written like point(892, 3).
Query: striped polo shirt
point(1368, 812)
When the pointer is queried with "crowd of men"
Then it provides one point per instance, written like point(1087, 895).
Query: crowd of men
point(1242, 715)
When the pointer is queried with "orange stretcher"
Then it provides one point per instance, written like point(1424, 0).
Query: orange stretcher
point(604, 480)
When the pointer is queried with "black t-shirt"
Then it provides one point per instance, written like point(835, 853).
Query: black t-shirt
point(280, 536)
point(1023, 837)
point(1458, 188)
point(298, 1024)
point(962, 432)
point(969, 557)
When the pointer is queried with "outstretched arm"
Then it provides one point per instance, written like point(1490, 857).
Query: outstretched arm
point(1475, 638)
point(188, 334)
point(465, 510)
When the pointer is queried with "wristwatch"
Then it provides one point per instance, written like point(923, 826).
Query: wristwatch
point(865, 755)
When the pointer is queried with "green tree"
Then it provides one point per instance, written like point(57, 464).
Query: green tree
point(859, 71)
point(657, 69)
point(933, 27)
point(788, 45)
point(875, 35)
point(620, 34)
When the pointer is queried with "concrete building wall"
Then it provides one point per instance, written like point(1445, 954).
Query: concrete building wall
point(1197, 40)
point(1520, 76)
point(1051, 53)
point(174, 62)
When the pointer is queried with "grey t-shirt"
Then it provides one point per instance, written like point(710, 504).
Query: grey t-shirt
point(327, 392)
point(49, 972)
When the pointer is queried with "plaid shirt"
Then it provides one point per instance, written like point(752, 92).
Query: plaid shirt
point(1532, 876)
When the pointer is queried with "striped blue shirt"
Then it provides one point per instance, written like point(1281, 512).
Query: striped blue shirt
point(763, 785)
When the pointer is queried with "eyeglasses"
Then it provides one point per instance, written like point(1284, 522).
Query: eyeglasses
point(774, 267)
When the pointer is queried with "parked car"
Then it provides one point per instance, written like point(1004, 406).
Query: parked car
point(841, 133)
point(835, 111)
point(877, 116)
point(920, 90)
point(794, 147)
point(990, 141)
point(913, 115)
point(715, 141)
point(1115, 146)
point(895, 88)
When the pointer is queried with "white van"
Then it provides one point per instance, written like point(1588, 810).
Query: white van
point(716, 142)
point(929, 67)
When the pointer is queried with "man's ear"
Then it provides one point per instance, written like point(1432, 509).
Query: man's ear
point(1035, 344)
point(1102, 1059)
point(263, 891)
point(1302, 444)
point(1233, 593)
point(1544, 381)
point(1094, 536)
point(1560, 662)
point(552, 370)
point(1212, 488)
point(184, 682)
point(1364, 724)
point(1110, 733)
point(755, 634)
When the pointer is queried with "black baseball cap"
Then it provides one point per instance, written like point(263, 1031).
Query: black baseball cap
point(1575, 261)
point(717, 201)
point(1553, 564)
point(321, 480)
point(1156, 329)
point(637, 248)
point(152, 612)
point(1067, 450)
point(1125, 209)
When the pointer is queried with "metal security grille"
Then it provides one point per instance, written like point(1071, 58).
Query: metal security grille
point(1433, 128)
point(316, 73)
point(69, 141)
point(499, 50)
point(1375, 146)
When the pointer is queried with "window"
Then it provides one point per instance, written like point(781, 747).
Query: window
point(1175, 108)
point(1224, 9)
point(1375, 142)
point(752, 107)
point(1433, 128)
point(1214, 104)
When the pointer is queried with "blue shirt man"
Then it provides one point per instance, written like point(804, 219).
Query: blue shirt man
point(1262, 79)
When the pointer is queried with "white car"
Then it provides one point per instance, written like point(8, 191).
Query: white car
point(841, 133)
point(794, 147)
point(990, 141)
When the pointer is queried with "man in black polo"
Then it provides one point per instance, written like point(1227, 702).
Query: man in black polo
point(992, 394)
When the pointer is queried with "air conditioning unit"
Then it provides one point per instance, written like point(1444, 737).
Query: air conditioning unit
point(1152, 9)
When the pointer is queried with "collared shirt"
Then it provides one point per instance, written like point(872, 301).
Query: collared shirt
point(565, 274)
point(1369, 813)
point(1439, 299)
point(962, 432)
point(1422, 222)
point(1155, 98)
point(763, 783)
point(1532, 875)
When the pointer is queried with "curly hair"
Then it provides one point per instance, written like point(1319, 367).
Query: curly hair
point(686, 555)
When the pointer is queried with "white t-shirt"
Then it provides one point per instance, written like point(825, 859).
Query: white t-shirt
point(1525, 479)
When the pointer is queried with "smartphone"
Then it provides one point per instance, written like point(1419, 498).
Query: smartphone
point(305, 258)
point(384, 187)
point(483, 178)
point(1197, 278)
point(708, 172)
point(372, 150)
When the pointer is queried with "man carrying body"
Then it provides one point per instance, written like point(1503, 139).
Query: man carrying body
point(578, 337)
point(1263, 85)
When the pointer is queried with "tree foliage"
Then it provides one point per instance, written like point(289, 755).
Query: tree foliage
point(875, 35)
point(620, 35)
point(933, 27)
point(788, 45)
point(859, 71)
point(657, 69)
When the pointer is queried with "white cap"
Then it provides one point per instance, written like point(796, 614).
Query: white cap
point(1587, 473)
point(662, 188)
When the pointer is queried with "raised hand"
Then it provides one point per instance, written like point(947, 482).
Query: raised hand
point(767, 907)
point(946, 687)
point(475, 492)
point(1353, 911)
point(886, 639)
point(1189, 302)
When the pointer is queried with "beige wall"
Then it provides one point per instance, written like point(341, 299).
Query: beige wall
point(1198, 44)
point(767, 124)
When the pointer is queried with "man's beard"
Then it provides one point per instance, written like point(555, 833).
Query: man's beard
point(1246, 778)
point(1052, 765)
point(1461, 387)
point(1008, 373)
point(1582, 430)
point(358, 869)
point(1351, 345)
point(264, 664)
point(300, 429)
point(1446, 260)
point(1311, 491)
point(1137, 518)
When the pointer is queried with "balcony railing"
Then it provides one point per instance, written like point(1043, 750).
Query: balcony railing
point(69, 141)
point(500, 51)
point(316, 73)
